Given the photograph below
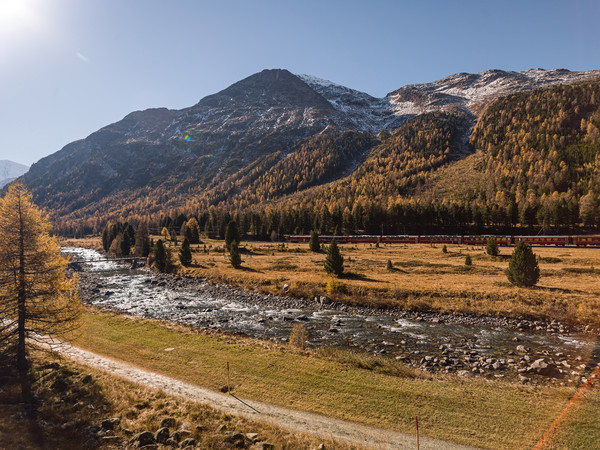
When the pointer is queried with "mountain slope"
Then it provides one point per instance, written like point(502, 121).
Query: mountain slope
point(271, 138)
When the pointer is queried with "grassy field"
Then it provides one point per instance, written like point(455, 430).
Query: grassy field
point(424, 278)
point(85, 397)
point(489, 414)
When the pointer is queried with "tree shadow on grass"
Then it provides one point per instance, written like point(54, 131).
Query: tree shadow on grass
point(356, 276)
point(249, 269)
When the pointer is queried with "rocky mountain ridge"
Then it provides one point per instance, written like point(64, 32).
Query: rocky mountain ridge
point(230, 139)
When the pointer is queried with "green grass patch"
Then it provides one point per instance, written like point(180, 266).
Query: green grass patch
point(488, 414)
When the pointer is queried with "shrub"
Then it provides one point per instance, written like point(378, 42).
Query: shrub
point(444, 249)
point(390, 265)
point(523, 269)
point(298, 336)
point(492, 247)
point(468, 260)
point(334, 263)
point(332, 285)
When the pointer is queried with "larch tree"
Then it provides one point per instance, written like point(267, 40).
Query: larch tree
point(37, 298)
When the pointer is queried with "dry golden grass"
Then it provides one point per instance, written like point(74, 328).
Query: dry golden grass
point(64, 414)
point(424, 278)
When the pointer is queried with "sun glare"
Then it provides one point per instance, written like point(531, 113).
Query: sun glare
point(15, 15)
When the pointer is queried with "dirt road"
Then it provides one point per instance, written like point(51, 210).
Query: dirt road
point(295, 420)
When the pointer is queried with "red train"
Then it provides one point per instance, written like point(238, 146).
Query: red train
point(559, 241)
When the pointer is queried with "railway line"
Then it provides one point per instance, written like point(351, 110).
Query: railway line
point(503, 240)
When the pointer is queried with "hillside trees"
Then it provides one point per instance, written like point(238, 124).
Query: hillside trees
point(36, 295)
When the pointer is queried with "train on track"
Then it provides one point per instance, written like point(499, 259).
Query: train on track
point(504, 240)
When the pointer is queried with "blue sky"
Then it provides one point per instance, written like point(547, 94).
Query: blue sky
point(70, 67)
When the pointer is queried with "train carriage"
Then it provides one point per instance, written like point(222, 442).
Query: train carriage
point(584, 241)
point(503, 240)
point(543, 240)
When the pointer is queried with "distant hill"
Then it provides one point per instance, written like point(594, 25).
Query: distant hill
point(275, 141)
point(10, 170)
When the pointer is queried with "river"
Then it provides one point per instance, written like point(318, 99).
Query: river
point(494, 348)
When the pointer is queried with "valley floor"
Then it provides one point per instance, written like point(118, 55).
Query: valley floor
point(423, 278)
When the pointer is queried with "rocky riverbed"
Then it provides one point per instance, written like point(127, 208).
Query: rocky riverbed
point(493, 347)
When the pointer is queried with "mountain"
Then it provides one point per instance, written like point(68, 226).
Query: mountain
point(10, 170)
point(269, 137)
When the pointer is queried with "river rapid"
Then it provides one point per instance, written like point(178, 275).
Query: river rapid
point(527, 351)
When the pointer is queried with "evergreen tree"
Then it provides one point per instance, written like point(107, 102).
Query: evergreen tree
point(105, 240)
point(314, 242)
point(523, 269)
point(185, 253)
point(390, 265)
point(334, 262)
point(129, 235)
point(124, 246)
point(231, 234)
point(160, 256)
point(492, 247)
point(142, 243)
point(36, 296)
point(234, 255)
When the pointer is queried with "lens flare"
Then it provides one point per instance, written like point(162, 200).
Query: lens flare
point(187, 138)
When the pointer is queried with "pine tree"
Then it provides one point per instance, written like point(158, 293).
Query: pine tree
point(334, 262)
point(105, 240)
point(234, 255)
point(142, 243)
point(314, 242)
point(160, 256)
point(492, 247)
point(36, 296)
point(523, 269)
point(231, 234)
point(185, 253)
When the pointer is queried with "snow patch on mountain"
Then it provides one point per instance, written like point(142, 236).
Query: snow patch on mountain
point(466, 91)
point(365, 112)
point(462, 91)
point(10, 170)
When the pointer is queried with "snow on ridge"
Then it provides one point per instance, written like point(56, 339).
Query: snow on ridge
point(461, 90)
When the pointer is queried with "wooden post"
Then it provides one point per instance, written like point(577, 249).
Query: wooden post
point(228, 380)
point(417, 424)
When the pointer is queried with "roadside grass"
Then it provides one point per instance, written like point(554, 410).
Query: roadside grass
point(84, 397)
point(483, 413)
